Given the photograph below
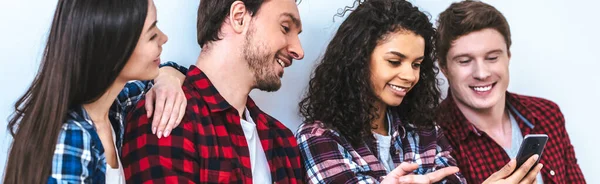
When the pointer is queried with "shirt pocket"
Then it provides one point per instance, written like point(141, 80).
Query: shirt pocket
point(219, 170)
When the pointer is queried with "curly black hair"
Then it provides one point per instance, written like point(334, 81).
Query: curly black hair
point(340, 93)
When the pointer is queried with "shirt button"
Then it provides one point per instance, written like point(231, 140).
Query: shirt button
point(552, 172)
point(397, 152)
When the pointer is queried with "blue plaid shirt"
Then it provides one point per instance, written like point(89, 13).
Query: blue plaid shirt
point(79, 155)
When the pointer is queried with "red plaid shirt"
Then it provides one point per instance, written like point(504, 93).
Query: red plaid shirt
point(479, 156)
point(209, 145)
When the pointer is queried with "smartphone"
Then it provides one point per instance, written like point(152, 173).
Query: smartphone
point(532, 144)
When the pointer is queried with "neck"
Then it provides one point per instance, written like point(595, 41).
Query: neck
point(379, 124)
point(491, 119)
point(98, 110)
point(228, 72)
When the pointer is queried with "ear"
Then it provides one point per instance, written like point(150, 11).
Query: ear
point(238, 18)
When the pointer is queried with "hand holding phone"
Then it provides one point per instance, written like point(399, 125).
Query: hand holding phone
point(512, 172)
point(532, 144)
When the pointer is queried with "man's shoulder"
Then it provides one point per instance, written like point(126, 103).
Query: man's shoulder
point(138, 113)
point(532, 101)
point(277, 125)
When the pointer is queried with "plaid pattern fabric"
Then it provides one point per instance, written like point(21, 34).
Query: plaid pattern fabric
point(127, 99)
point(479, 156)
point(79, 155)
point(330, 158)
point(209, 145)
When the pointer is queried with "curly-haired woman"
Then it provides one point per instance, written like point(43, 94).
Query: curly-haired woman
point(369, 109)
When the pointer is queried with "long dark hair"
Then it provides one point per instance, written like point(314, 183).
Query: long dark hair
point(89, 43)
point(340, 92)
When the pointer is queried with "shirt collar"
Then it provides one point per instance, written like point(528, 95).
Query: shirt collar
point(457, 124)
point(215, 102)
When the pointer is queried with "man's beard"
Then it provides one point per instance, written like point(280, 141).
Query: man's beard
point(259, 61)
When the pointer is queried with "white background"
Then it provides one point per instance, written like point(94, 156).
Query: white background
point(554, 56)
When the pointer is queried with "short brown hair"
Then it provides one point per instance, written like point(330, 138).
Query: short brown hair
point(464, 17)
point(211, 15)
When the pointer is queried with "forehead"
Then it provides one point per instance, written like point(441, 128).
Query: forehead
point(151, 15)
point(276, 8)
point(404, 41)
point(478, 42)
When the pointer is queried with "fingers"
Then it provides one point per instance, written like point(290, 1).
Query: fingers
point(158, 109)
point(181, 111)
point(172, 122)
point(441, 174)
point(166, 115)
point(504, 172)
point(150, 105)
point(531, 176)
point(403, 169)
point(522, 171)
point(414, 179)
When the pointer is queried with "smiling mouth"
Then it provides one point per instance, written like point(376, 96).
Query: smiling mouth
point(398, 88)
point(485, 88)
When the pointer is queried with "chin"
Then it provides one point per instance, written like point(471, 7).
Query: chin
point(484, 103)
point(393, 103)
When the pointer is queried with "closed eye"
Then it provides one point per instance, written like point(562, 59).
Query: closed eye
point(286, 29)
point(393, 62)
point(464, 61)
point(416, 65)
point(492, 58)
point(153, 37)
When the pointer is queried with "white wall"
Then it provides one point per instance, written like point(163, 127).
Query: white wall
point(553, 56)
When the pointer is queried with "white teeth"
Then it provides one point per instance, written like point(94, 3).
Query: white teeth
point(397, 88)
point(482, 89)
point(281, 63)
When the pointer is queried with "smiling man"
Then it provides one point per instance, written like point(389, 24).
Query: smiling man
point(485, 123)
point(224, 137)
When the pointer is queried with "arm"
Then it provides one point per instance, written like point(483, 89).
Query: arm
point(167, 100)
point(327, 161)
point(134, 90)
point(146, 158)
point(72, 160)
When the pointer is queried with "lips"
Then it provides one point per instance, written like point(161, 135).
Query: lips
point(283, 60)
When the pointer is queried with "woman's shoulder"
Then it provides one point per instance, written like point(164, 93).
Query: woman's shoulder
point(315, 128)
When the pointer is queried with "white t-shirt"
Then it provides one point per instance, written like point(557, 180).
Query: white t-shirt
point(384, 144)
point(116, 176)
point(517, 139)
point(261, 173)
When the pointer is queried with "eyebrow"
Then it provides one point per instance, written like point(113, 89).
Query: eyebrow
point(402, 56)
point(295, 20)
point(152, 26)
point(495, 51)
point(468, 55)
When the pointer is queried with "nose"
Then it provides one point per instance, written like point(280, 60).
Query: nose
point(164, 37)
point(407, 73)
point(295, 48)
point(481, 70)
